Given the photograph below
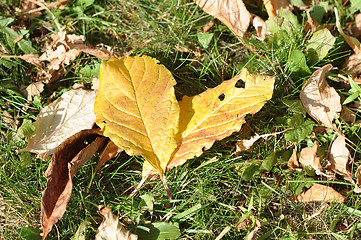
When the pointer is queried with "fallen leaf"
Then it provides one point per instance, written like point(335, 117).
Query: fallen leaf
point(320, 100)
point(292, 162)
point(64, 48)
point(111, 229)
point(357, 188)
point(308, 158)
point(34, 89)
point(71, 112)
point(347, 114)
point(272, 6)
point(312, 24)
point(321, 193)
point(110, 151)
point(351, 41)
point(252, 234)
point(67, 158)
point(246, 144)
point(340, 158)
point(233, 14)
point(356, 27)
point(320, 44)
point(218, 112)
point(208, 26)
point(137, 109)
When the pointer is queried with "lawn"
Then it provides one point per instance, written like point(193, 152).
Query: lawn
point(226, 192)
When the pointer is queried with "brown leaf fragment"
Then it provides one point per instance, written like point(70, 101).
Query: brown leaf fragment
point(110, 151)
point(357, 188)
point(347, 114)
point(246, 144)
point(9, 120)
point(320, 100)
point(208, 26)
point(111, 228)
point(321, 193)
point(233, 13)
point(67, 158)
point(340, 158)
point(292, 162)
point(356, 29)
point(34, 89)
point(308, 158)
point(351, 41)
point(273, 6)
point(64, 48)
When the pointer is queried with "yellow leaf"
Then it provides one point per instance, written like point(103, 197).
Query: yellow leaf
point(137, 108)
point(218, 112)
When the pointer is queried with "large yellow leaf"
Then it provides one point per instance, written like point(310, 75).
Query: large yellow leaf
point(137, 108)
point(217, 113)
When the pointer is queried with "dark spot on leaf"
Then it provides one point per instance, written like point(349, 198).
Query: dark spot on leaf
point(221, 97)
point(104, 121)
point(240, 84)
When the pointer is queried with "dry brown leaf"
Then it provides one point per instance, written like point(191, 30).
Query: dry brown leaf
point(273, 6)
point(110, 151)
point(320, 100)
point(351, 41)
point(111, 229)
point(312, 24)
point(67, 158)
point(347, 114)
point(252, 235)
point(357, 188)
point(308, 158)
point(340, 158)
point(246, 144)
point(208, 26)
point(292, 162)
point(356, 28)
point(64, 48)
point(34, 89)
point(9, 120)
point(234, 14)
point(321, 193)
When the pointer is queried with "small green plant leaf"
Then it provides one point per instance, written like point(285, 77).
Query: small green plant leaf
point(81, 232)
point(160, 231)
point(205, 39)
point(26, 129)
point(28, 233)
point(319, 45)
point(297, 64)
point(147, 202)
point(250, 171)
point(300, 128)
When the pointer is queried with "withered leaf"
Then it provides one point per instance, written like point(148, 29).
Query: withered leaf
point(67, 158)
point(292, 162)
point(234, 15)
point(340, 158)
point(320, 100)
point(357, 188)
point(321, 193)
point(308, 158)
point(111, 229)
point(70, 113)
point(110, 151)
point(272, 6)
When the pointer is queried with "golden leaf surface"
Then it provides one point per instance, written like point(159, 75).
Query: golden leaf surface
point(137, 108)
point(218, 112)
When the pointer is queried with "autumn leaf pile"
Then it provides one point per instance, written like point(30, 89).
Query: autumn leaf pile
point(133, 108)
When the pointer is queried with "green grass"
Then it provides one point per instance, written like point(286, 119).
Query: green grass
point(210, 192)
